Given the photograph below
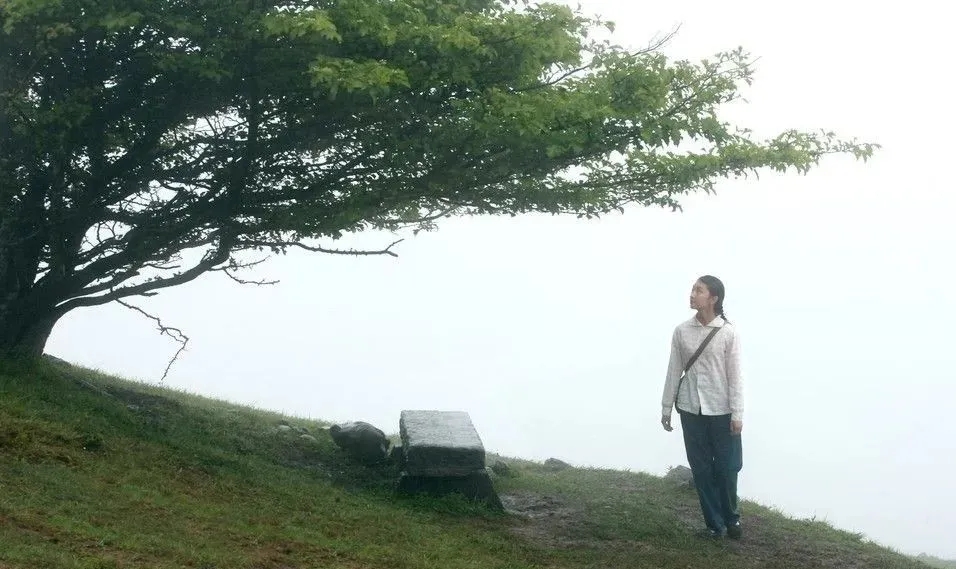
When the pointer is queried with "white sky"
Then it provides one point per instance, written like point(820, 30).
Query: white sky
point(553, 333)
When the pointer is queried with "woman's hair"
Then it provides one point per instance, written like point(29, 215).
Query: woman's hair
point(716, 288)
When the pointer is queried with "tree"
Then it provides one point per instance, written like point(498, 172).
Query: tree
point(138, 134)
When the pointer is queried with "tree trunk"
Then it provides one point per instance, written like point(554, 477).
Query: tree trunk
point(23, 334)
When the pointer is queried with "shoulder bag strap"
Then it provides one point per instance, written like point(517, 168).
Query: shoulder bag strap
point(693, 359)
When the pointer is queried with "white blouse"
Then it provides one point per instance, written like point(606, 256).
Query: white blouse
point(713, 385)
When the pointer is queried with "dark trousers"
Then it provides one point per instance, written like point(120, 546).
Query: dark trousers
point(715, 456)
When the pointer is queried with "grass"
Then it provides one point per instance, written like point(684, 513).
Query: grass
point(937, 562)
point(97, 472)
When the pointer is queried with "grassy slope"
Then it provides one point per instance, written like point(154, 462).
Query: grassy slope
point(96, 472)
point(937, 562)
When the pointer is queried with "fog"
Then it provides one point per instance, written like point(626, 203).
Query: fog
point(553, 333)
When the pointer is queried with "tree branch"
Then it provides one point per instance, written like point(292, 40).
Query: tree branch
point(219, 256)
point(555, 79)
point(236, 265)
point(175, 333)
point(276, 245)
point(656, 44)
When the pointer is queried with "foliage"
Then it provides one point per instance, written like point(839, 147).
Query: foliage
point(146, 142)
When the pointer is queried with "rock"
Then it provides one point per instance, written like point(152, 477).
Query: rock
point(443, 454)
point(681, 475)
point(283, 428)
point(301, 430)
point(475, 486)
point(309, 438)
point(502, 469)
point(440, 443)
point(555, 464)
point(361, 441)
point(397, 456)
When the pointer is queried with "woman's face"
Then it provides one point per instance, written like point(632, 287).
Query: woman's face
point(700, 297)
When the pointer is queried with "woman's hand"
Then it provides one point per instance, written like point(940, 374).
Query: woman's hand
point(736, 427)
point(666, 422)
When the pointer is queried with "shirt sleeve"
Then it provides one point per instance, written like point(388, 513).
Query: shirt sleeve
point(674, 368)
point(735, 382)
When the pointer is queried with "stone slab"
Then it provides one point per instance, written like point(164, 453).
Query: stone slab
point(476, 486)
point(440, 443)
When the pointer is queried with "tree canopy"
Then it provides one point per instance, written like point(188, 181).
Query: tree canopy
point(134, 131)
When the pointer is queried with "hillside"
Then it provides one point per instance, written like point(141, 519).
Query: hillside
point(97, 472)
point(937, 562)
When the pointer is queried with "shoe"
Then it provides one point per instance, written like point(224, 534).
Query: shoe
point(710, 533)
point(735, 531)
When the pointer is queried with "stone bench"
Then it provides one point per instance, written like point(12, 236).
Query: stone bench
point(443, 453)
point(440, 443)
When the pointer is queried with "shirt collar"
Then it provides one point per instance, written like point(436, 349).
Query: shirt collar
point(717, 322)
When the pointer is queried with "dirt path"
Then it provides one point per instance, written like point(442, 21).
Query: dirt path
point(552, 522)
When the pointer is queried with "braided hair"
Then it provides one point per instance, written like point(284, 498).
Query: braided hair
point(716, 288)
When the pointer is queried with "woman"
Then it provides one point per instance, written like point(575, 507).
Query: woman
point(708, 395)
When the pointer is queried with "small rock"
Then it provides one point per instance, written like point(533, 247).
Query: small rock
point(502, 469)
point(555, 464)
point(309, 438)
point(681, 475)
point(301, 430)
point(284, 428)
